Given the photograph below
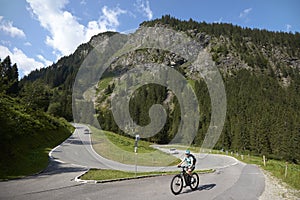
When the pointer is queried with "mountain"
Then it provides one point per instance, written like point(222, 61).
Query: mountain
point(261, 73)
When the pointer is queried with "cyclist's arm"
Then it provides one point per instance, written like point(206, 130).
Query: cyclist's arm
point(191, 164)
point(180, 163)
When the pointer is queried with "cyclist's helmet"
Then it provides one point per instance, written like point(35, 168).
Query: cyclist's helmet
point(187, 152)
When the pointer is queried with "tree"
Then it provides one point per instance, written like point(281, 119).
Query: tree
point(14, 82)
point(36, 95)
point(55, 109)
point(9, 77)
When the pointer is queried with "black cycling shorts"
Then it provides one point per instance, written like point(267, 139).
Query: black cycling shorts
point(192, 168)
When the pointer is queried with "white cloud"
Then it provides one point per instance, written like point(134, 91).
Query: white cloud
point(6, 43)
point(66, 33)
point(144, 8)
point(8, 28)
point(219, 21)
point(245, 13)
point(109, 19)
point(288, 27)
point(25, 64)
point(83, 2)
point(27, 44)
point(44, 60)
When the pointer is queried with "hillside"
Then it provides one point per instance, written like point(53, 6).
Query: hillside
point(261, 74)
point(26, 138)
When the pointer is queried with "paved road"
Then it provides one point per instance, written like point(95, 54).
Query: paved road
point(78, 150)
point(232, 179)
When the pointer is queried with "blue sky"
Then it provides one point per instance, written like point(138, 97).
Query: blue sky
point(36, 33)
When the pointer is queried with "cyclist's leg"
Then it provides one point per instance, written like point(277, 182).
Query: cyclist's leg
point(190, 170)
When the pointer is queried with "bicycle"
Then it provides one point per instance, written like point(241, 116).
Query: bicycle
point(178, 181)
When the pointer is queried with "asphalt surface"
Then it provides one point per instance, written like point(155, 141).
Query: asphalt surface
point(232, 179)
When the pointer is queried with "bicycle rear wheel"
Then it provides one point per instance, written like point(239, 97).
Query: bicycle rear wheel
point(176, 184)
point(195, 181)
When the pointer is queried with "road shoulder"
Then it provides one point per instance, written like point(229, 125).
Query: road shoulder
point(277, 190)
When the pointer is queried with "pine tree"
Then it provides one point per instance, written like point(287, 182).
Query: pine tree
point(9, 77)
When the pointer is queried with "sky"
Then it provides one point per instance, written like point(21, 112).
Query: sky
point(36, 33)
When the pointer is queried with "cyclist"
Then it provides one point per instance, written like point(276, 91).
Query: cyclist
point(189, 161)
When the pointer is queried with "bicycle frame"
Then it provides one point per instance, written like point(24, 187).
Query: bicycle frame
point(185, 175)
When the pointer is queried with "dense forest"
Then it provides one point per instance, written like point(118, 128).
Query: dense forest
point(262, 116)
point(260, 70)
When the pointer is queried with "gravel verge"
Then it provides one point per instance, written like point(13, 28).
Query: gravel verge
point(277, 190)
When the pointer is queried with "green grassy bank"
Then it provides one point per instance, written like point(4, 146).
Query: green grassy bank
point(26, 138)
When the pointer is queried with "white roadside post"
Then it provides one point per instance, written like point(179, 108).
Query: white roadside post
point(137, 138)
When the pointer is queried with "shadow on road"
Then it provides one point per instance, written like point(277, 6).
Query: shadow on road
point(200, 188)
point(55, 167)
point(207, 187)
point(75, 141)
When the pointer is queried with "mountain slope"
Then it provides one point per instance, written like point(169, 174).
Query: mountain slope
point(261, 74)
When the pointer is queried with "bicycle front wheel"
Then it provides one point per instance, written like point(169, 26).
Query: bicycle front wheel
point(176, 184)
point(195, 181)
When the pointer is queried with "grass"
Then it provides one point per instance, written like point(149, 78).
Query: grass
point(103, 83)
point(108, 174)
point(93, 91)
point(26, 138)
point(121, 149)
point(192, 83)
point(29, 155)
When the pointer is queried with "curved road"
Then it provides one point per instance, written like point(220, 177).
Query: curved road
point(232, 179)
